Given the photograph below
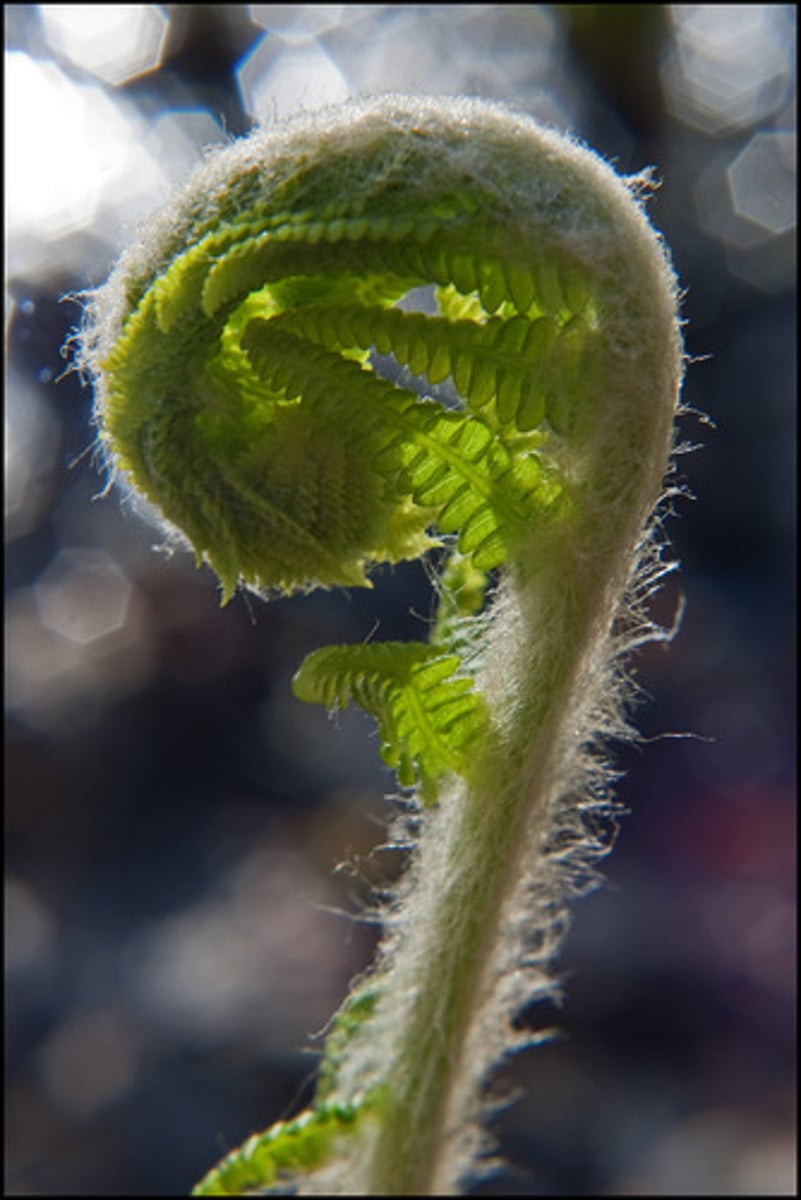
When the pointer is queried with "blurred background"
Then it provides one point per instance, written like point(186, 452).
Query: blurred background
point(175, 924)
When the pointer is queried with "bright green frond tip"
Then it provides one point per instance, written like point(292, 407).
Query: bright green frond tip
point(427, 710)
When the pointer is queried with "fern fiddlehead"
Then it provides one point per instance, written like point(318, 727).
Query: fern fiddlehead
point(231, 352)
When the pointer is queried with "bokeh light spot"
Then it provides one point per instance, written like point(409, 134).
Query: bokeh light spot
point(69, 150)
point(177, 139)
point(251, 960)
point(297, 22)
point(83, 595)
point(731, 65)
point(762, 181)
point(276, 80)
point(31, 433)
point(118, 43)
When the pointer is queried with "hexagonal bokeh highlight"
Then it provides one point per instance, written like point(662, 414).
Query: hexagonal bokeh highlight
point(276, 79)
point(762, 182)
point(731, 64)
point(113, 42)
point(83, 596)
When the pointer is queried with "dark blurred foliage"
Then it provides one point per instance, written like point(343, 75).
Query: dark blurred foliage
point(175, 925)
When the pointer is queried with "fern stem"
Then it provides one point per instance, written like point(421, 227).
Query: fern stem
point(230, 357)
point(487, 838)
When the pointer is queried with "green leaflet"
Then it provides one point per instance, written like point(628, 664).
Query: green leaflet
point(428, 713)
point(353, 1016)
point(299, 1146)
point(514, 362)
point(287, 1148)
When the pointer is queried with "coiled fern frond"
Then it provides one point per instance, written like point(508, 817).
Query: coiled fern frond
point(240, 397)
point(236, 354)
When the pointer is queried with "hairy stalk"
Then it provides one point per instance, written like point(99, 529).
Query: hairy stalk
point(231, 353)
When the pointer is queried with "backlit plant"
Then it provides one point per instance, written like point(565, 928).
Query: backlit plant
point(234, 356)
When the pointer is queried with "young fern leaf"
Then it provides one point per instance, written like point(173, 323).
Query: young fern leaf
point(232, 353)
point(428, 717)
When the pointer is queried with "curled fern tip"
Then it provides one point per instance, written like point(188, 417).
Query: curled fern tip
point(529, 313)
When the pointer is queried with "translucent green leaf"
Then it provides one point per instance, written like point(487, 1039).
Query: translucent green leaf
point(427, 711)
